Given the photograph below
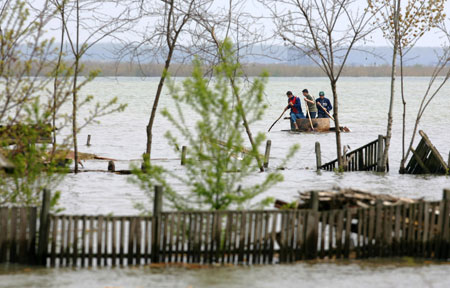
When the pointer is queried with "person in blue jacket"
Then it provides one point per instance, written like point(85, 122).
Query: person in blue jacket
point(326, 104)
point(295, 105)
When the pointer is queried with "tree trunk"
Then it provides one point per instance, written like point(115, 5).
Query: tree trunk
point(336, 123)
point(402, 162)
point(155, 103)
point(391, 103)
point(75, 92)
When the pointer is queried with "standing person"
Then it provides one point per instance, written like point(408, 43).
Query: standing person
point(326, 104)
point(296, 108)
point(311, 103)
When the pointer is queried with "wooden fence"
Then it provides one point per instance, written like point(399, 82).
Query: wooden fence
point(237, 237)
point(365, 158)
point(18, 234)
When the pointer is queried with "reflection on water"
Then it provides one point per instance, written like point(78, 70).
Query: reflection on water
point(376, 273)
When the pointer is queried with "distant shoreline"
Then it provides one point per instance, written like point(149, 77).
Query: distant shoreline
point(113, 69)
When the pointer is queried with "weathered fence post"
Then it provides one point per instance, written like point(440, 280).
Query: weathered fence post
point(267, 154)
point(380, 149)
point(43, 228)
point(183, 155)
point(88, 142)
point(445, 233)
point(111, 166)
point(314, 200)
point(318, 156)
point(344, 157)
point(156, 227)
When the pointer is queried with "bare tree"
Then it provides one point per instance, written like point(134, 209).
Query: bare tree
point(435, 84)
point(403, 24)
point(325, 31)
point(99, 27)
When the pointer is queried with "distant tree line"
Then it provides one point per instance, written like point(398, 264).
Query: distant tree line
point(126, 69)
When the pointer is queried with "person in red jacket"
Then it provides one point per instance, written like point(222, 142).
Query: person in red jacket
point(295, 105)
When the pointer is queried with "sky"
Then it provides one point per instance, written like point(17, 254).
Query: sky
point(253, 7)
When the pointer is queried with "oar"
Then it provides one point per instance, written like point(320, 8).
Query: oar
point(325, 110)
point(277, 119)
point(309, 116)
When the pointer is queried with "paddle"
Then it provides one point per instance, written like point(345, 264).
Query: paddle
point(278, 118)
point(325, 110)
point(309, 116)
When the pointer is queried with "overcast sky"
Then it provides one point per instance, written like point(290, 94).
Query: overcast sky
point(431, 39)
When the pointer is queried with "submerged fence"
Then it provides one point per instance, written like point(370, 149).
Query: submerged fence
point(251, 237)
point(365, 158)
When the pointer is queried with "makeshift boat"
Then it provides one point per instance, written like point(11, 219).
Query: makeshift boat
point(319, 125)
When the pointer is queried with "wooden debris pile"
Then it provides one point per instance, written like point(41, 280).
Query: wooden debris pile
point(339, 198)
point(351, 198)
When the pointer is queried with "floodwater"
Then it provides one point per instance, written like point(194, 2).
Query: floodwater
point(375, 273)
point(363, 108)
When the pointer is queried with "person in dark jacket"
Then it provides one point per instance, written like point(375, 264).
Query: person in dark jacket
point(325, 104)
point(296, 108)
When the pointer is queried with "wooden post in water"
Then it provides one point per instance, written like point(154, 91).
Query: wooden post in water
point(43, 228)
point(88, 142)
point(380, 153)
point(156, 227)
point(267, 154)
point(111, 166)
point(183, 155)
point(318, 156)
point(314, 201)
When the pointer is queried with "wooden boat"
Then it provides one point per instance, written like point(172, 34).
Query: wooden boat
point(319, 124)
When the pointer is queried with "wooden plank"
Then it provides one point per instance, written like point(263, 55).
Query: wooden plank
point(339, 228)
point(331, 233)
point(378, 229)
point(147, 226)
point(183, 241)
point(114, 241)
point(273, 231)
point(69, 239)
point(171, 237)
point(365, 240)
point(63, 246)
point(282, 243)
point(23, 211)
point(419, 161)
point(99, 250)
point(426, 227)
point(323, 225)
point(397, 226)
point(91, 239)
point(256, 238)
point(419, 237)
point(348, 227)
point(293, 218)
point(371, 227)
point(190, 224)
point(267, 237)
point(139, 240)
point(300, 235)
point(404, 229)
point(54, 225)
point(411, 229)
point(437, 249)
point(13, 238)
point(83, 240)
point(249, 246)
point(433, 149)
point(75, 241)
point(432, 235)
point(4, 215)
point(359, 234)
point(106, 253)
point(165, 222)
point(122, 241)
point(32, 235)
point(445, 241)
point(387, 232)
